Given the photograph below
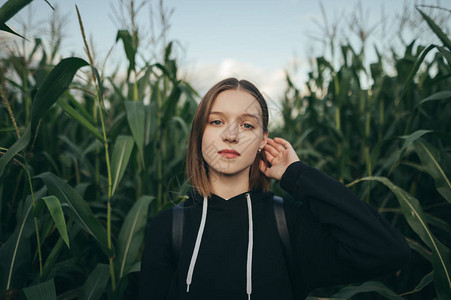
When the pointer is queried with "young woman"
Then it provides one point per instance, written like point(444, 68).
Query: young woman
point(231, 248)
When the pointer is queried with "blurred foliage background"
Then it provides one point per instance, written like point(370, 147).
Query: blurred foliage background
point(87, 158)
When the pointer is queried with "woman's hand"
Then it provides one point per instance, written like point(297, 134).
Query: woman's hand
point(280, 154)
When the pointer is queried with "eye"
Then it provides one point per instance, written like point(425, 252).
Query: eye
point(216, 122)
point(248, 126)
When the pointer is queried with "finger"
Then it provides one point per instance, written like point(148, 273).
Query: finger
point(283, 142)
point(269, 157)
point(263, 167)
point(277, 145)
point(271, 149)
point(273, 143)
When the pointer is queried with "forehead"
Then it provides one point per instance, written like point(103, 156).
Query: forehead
point(236, 102)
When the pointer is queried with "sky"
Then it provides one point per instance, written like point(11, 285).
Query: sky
point(258, 40)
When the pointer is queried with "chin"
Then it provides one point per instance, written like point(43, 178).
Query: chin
point(231, 171)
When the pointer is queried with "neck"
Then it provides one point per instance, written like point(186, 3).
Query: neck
point(228, 186)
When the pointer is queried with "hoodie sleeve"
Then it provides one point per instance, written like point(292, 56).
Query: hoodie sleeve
point(337, 238)
point(157, 266)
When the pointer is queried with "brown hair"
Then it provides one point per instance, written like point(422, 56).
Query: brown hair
point(196, 167)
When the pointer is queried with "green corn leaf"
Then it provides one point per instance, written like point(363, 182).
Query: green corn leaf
point(443, 95)
point(94, 146)
point(182, 124)
point(408, 140)
point(80, 108)
point(54, 85)
point(130, 50)
point(414, 215)
point(132, 234)
point(54, 206)
point(425, 281)
point(446, 53)
point(190, 92)
point(18, 146)
point(84, 216)
point(376, 151)
point(441, 35)
point(96, 283)
point(121, 154)
point(10, 8)
point(420, 249)
point(52, 257)
point(56, 249)
point(167, 51)
point(415, 68)
point(322, 61)
point(144, 82)
point(369, 286)
point(171, 104)
point(78, 117)
point(165, 71)
point(15, 252)
point(46, 228)
point(429, 159)
point(38, 207)
point(136, 267)
point(41, 291)
point(100, 90)
point(136, 121)
point(150, 127)
point(4, 27)
point(37, 45)
point(438, 223)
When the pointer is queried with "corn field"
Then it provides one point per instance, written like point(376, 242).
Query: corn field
point(87, 160)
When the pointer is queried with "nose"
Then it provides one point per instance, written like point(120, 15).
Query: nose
point(230, 133)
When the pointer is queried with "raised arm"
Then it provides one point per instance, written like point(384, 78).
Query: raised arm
point(337, 237)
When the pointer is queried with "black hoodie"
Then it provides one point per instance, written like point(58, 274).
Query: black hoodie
point(335, 239)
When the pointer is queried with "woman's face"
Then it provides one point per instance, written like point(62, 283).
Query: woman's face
point(233, 133)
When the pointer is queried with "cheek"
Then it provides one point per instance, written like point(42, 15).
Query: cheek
point(208, 144)
point(207, 137)
point(252, 140)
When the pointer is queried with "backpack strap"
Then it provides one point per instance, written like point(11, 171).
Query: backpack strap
point(282, 228)
point(284, 236)
point(177, 228)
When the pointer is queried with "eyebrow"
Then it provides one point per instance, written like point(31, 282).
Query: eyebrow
point(242, 115)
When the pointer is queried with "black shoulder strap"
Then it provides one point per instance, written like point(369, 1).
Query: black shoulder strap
point(177, 228)
point(282, 228)
point(284, 236)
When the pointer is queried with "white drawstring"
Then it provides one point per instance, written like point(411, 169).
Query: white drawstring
point(189, 277)
point(249, 249)
point(250, 246)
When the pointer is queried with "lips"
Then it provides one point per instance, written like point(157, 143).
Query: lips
point(228, 153)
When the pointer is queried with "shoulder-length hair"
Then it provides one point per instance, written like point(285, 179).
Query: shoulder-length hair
point(196, 167)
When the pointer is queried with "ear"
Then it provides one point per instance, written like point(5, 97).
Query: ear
point(264, 140)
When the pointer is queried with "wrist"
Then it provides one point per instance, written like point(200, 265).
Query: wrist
point(291, 175)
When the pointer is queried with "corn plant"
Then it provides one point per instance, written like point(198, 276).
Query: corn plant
point(394, 136)
point(78, 178)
